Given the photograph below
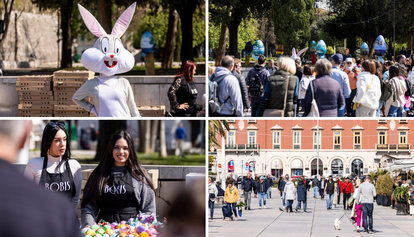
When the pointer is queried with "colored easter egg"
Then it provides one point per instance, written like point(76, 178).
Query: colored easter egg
point(258, 49)
point(321, 48)
point(148, 43)
point(91, 232)
point(123, 229)
point(131, 220)
point(109, 231)
point(84, 230)
point(105, 235)
point(364, 49)
point(123, 235)
point(98, 235)
point(313, 46)
point(140, 229)
point(100, 231)
point(95, 227)
point(380, 47)
point(143, 234)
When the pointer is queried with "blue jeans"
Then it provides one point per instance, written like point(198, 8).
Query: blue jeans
point(298, 205)
point(289, 204)
point(367, 210)
point(341, 112)
point(255, 105)
point(211, 205)
point(262, 196)
point(395, 112)
point(315, 192)
point(379, 108)
point(229, 206)
point(329, 199)
point(283, 199)
point(269, 192)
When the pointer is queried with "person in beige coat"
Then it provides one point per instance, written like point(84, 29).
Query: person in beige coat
point(394, 104)
point(290, 191)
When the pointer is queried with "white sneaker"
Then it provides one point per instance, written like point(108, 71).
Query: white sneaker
point(260, 207)
point(264, 206)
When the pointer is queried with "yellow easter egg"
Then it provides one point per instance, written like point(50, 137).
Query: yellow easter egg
point(109, 232)
point(122, 234)
point(91, 233)
point(144, 234)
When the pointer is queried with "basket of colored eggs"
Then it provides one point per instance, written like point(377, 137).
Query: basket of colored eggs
point(142, 226)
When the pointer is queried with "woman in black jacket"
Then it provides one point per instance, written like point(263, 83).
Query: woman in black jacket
point(183, 92)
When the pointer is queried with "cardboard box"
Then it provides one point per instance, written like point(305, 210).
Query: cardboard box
point(35, 78)
point(35, 115)
point(77, 73)
point(28, 112)
point(34, 83)
point(64, 93)
point(39, 102)
point(152, 111)
point(65, 89)
point(60, 98)
point(71, 113)
point(68, 84)
point(33, 88)
point(36, 107)
point(37, 93)
point(35, 97)
point(70, 79)
point(63, 102)
point(68, 108)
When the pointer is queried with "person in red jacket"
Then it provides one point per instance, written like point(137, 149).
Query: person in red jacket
point(347, 189)
point(339, 188)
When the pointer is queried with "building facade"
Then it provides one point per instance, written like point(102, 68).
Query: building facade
point(280, 147)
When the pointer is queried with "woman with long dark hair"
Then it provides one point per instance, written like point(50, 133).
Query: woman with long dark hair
point(183, 92)
point(119, 188)
point(54, 169)
point(396, 102)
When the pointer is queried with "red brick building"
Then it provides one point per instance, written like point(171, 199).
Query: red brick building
point(290, 146)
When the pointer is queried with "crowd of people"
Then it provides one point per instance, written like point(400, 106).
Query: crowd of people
point(336, 87)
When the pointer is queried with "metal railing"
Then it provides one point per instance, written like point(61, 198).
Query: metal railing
point(393, 148)
point(242, 147)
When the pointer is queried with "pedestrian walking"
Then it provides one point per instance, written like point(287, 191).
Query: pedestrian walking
point(315, 185)
point(212, 194)
point(322, 188)
point(302, 194)
point(260, 191)
point(180, 135)
point(231, 196)
point(338, 189)
point(269, 184)
point(368, 91)
point(347, 190)
point(281, 91)
point(304, 84)
point(329, 192)
point(282, 190)
point(242, 83)
point(365, 196)
point(256, 81)
point(341, 77)
point(352, 71)
point(395, 103)
point(279, 182)
point(290, 193)
point(325, 90)
point(335, 195)
point(247, 186)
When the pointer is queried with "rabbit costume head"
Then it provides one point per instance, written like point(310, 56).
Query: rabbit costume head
point(297, 56)
point(108, 56)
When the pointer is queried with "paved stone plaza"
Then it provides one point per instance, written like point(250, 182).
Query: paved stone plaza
point(317, 222)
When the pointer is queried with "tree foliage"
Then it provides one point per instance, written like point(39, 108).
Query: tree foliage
point(292, 20)
point(215, 128)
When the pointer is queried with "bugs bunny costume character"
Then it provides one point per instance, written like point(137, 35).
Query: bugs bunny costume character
point(111, 96)
point(297, 56)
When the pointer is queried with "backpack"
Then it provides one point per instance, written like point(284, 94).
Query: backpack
point(214, 106)
point(256, 88)
point(409, 85)
point(386, 91)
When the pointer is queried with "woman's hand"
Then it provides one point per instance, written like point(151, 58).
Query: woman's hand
point(358, 104)
point(183, 106)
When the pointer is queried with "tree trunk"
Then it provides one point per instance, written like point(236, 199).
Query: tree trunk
point(221, 51)
point(266, 49)
point(371, 43)
point(144, 136)
point(168, 54)
point(154, 134)
point(162, 149)
point(8, 8)
point(66, 19)
point(16, 40)
point(233, 31)
point(105, 15)
point(186, 12)
point(106, 129)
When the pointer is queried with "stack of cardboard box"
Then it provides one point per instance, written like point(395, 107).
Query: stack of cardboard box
point(35, 96)
point(65, 84)
point(152, 111)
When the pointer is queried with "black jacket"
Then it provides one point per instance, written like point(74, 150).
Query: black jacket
point(248, 184)
point(220, 191)
point(260, 187)
point(243, 89)
point(330, 187)
point(38, 211)
point(269, 182)
point(181, 91)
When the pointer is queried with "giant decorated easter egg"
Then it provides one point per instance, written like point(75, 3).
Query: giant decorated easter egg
point(148, 44)
point(321, 48)
point(258, 49)
point(380, 47)
point(313, 46)
point(364, 49)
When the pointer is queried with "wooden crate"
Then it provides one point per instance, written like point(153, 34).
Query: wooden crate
point(68, 108)
point(72, 74)
point(152, 111)
point(36, 107)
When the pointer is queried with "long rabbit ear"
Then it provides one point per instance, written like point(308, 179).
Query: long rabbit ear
point(123, 21)
point(294, 52)
point(302, 51)
point(91, 22)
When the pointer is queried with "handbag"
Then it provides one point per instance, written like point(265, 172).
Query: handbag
point(314, 111)
point(278, 112)
point(354, 107)
point(212, 195)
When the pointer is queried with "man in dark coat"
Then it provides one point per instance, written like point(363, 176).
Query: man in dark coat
point(269, 184)
point(329, 191)
point(242, 82)
point(271, 67)
point(27, 209)
point(247, 188)
point(261, 188)
point(302, 195)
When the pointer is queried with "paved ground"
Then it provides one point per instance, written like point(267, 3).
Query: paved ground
point(317, 222)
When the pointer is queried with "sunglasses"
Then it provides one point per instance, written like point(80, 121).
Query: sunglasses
point(348, 63)
point(53, 124)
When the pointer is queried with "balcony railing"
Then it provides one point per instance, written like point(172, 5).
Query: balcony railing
point(393, 148)
point(242, 147)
